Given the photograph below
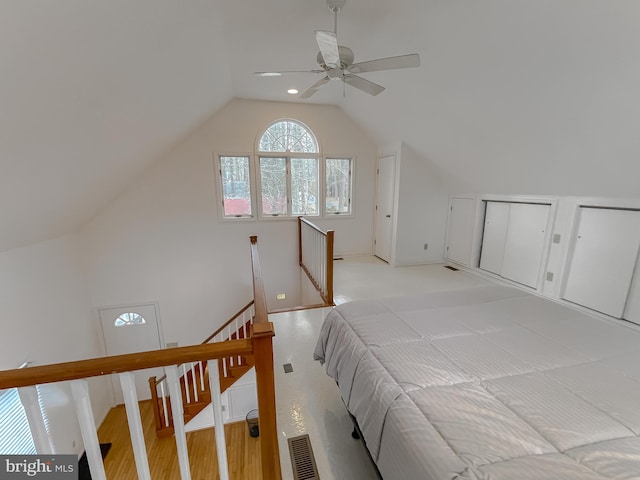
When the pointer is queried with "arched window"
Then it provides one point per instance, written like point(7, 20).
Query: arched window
point(287, 177)
point(289, 170)
point(130, 318)
point(288, 136)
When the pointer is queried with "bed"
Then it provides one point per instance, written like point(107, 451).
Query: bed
point(489, 382)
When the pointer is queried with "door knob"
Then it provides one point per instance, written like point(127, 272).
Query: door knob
point(388, 216)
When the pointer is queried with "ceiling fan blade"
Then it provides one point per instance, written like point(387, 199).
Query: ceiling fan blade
point(328, 45)
point(389, 63)
point(364, 84)
point(315, 87)
point(283, 72)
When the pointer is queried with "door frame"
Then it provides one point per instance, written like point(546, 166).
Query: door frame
point(394, 213)
point(103, 342)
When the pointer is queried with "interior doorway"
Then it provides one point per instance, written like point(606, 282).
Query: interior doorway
point(385, 190)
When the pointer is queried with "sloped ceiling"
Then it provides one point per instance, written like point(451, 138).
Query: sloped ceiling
point(522, 96)
point(90, 93)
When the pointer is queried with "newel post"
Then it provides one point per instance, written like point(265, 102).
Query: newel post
point(265, 382)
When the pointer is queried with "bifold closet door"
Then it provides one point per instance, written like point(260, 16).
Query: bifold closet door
point(604, 258)
point(496, 222)
point(524, 244)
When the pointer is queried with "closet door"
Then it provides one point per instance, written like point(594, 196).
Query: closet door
point(496, 221)
point(524, 244)
point(604, 258)
point(460, 234)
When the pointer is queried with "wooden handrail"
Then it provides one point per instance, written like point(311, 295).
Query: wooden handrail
point(93, 367)
point(206, 340)
point(238, 313)
point(262, 336)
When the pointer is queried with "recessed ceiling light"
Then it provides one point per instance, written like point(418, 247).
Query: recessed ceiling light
point(268, 74)
point(292, 91)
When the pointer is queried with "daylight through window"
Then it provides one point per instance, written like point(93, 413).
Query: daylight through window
point(287, 178)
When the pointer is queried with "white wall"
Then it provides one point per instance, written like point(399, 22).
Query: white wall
point(162, 238)
point(46, 318)
point(420, 208)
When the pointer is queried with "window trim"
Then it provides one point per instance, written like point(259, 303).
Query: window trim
point(287, 156)
point(255, 188)
point(217, 162)
point(352, 182)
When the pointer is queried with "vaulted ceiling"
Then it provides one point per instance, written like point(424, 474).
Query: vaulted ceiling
point(526, 96)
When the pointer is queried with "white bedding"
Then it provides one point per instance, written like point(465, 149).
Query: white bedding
point(487, 383)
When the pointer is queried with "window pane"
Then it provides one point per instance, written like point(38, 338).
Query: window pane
point(273, 180)
point(304, 186)
point(236, 186)
point(338, 193)
point(288, 136)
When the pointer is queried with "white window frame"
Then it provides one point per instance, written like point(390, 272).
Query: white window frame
point(255, 188)
point(352, 168)
point(252, 187)
point(288, 156)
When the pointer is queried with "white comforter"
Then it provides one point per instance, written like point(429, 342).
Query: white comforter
point(487, 383)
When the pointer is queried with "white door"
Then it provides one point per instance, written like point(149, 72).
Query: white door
point(604, 258)
point(131, 329)
point(460, 232)
point(524, 244)
point(496, 221)
point(384, 207)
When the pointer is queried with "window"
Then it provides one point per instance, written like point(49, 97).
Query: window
point(236, 186)
point(289, 181)
point(287, 177)
point(15, 435)
point(127, 319)
point(338, 186)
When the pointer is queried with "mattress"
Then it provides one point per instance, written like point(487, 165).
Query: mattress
point(487, 383)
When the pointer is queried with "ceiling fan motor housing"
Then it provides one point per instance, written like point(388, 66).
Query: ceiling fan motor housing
point(335, 5)
point(346, 58)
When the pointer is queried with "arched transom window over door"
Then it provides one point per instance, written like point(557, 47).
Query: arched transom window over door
point(289, 170)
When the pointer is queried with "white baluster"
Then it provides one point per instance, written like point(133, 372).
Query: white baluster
point(221, 442)
point(186, 383)
point(164, 404)
point(244, 324)
point(194, 382)
point(29, 400)
point(178, 421)
point(128, 383)
point(80, 392)
point(201, 376)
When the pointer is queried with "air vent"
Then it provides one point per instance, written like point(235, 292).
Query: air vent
point(288, 368)
point(451, 268)
point(302, 461)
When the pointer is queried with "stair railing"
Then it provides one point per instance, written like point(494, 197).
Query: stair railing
point(193, 379)
point(315, 256)
point(258, 344)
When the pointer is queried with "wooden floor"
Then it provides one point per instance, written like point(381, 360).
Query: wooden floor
point(243, 452)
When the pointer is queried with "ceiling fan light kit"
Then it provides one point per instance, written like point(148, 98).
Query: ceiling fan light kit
point(336, 61)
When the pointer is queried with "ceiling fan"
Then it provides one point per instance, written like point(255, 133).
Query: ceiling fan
point(336, 61)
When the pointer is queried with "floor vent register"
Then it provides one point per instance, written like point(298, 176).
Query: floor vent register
point(302, 460)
